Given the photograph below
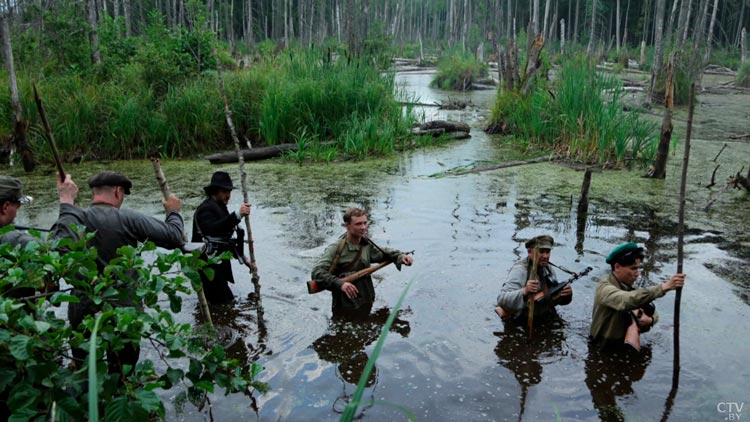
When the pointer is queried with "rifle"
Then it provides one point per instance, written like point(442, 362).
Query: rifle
point(633, 333)
point(313, 287)
point(502, 313)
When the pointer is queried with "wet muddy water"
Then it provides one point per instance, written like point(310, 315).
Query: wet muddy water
point(448, 356)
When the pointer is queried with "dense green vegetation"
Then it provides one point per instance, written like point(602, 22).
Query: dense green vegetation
point(36, 374)
point(582, 119)
point(458, 72)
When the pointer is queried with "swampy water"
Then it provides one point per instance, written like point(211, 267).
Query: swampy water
point(448, 356)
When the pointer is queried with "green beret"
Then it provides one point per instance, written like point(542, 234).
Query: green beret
point(542, 242)
point(621, 250)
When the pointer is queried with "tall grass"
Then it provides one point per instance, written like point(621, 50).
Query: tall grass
point(327, 98)
point(583, 118)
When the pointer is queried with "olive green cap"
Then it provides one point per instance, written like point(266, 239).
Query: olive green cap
point(11, 190)
point(541, 242)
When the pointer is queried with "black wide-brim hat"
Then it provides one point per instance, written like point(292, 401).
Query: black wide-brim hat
point(220, 180)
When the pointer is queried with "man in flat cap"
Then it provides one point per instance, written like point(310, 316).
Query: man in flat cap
point(519, 286)
point(617, 303)
point(116, 227)
point(214, 225)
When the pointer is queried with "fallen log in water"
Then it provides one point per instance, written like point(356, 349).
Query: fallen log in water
point(257, 153)
point(471, 169)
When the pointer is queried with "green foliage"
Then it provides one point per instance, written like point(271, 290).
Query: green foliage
point(583, 119)
point(36, 370)
point(458, 72)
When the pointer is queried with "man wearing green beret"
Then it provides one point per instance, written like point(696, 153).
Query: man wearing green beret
point(519, 286)
point(617, 302)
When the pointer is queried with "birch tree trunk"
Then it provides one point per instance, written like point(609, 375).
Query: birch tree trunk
point(465, 26)
point(250, 30)
point(710, 38)
point(546, 18)
point(683, 35)
point(575, 25)
point(743, 45)
point(96, 57)
point(562, 36)
point(700, 27)
point(286, 23)
point(19, 134)
point(625, 29)
point(534, 20)
point(590, 48)
point(682, 19)
point(740, 27)
point(658, 47)
point(617, 26)
point(128, 17)
point(672, 17)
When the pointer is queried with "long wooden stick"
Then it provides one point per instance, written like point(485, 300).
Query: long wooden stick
point(48, 129)
point(243, 176)
point(533, 276)
point(162, 181)
point(681, 239)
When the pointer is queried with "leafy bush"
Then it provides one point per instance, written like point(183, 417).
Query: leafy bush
point(36, 374)
point(458, 72)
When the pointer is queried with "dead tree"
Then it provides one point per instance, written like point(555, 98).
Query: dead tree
point(659, 170)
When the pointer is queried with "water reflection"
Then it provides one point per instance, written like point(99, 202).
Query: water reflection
point(349, 333)
point(611, 375)
point(522, 354)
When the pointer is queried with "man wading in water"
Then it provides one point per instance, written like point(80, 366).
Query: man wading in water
point(352, 253)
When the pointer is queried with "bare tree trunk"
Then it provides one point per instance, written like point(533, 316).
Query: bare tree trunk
point(659, 170)
point(19, 135)
point(562, 36)
point(126, 14)
point(710, 38)
point(682, 20)
point(250, 30)
point(509, 26)
point(575, 25)
point(683, 35)
point(116, 9)
point(743, 45)
point(672, 17)
point(740, 27)
point(546, 19)
point(617, 27)
point(338, 21)
point(658, 47)
point(96, 57)
point(625, 30)
point(700, 28)
point(286, 23)
point(534, 20)
point(592, 34)
point(465, 26)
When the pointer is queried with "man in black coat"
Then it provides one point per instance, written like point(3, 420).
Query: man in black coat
point(213, 224)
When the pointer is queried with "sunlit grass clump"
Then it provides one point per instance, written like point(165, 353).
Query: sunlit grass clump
point(458, 72)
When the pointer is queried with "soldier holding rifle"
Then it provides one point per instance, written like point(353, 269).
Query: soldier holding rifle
point(352, 253)
point(521, 285)
point(617, 304)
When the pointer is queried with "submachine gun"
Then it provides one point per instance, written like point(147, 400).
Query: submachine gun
point(539, 296)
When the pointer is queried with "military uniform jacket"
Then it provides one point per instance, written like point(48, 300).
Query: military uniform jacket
point(321, 272)
point(613, 302)
point(116, 227)
point(511, 296)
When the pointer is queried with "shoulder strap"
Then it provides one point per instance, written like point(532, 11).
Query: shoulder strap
point(339, 249)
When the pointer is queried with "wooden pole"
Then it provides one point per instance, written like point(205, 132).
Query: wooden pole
point(164, 187)
point(50, 137)
point(533, 276)
point(681, 239)
point(243, 175)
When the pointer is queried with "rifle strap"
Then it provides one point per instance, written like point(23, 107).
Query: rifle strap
point(339, 249)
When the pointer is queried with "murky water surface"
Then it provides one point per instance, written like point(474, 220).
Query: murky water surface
point(448, 357)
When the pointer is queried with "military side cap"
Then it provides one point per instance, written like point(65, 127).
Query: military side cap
point(622, 250)
point(11, 190)
point(111, 178)
point(541, 242)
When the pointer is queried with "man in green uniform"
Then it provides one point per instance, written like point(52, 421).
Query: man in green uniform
point(519, 286)
point(116, 227)
point(617, 302)
point(352, 253)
